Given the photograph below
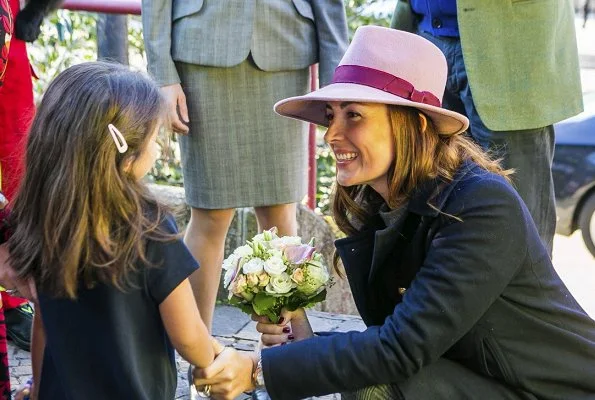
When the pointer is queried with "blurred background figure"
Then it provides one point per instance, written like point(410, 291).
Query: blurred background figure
point(222, 65)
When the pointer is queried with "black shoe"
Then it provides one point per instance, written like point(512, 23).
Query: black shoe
point(18, 325)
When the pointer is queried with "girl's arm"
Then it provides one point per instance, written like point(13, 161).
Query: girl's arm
point(37, 350)
point(184, 326)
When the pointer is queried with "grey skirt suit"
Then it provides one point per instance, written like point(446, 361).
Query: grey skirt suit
point(234, 60)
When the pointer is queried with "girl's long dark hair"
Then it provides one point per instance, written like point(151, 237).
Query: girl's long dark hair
point(80, 213)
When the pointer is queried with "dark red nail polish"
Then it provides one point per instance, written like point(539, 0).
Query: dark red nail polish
point(283, 344)
point(281, 320)
point(286, 329)
point(290, 337)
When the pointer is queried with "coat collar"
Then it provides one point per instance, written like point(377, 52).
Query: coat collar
point(427, 201)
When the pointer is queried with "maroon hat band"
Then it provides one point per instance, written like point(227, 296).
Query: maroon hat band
point(383, 81)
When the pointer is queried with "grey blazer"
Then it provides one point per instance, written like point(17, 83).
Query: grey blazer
point(280, 34)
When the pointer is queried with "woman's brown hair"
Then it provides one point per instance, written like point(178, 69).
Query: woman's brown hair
point(421, 153)
point(80, 214)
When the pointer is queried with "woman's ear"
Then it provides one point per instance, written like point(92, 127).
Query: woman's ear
point(423, 122)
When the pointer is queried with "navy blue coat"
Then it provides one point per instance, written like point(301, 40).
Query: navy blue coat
point(480, 290)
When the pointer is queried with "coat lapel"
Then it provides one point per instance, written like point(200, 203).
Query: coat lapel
point(426, 201)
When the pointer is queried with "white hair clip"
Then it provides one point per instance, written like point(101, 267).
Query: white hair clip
point(118, 138)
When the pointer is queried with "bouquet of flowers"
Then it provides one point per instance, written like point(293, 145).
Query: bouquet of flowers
point(270, 272)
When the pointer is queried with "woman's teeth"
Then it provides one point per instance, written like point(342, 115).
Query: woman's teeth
point(346, 156)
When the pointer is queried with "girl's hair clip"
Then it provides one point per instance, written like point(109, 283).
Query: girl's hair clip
point(118, 138)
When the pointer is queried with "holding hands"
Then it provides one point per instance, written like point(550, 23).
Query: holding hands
point(232, 372)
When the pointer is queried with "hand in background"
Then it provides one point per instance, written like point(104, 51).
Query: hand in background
point(176, 106)
point(25, 392)
point(10, 281)
point(29, 19)
point(293, 325)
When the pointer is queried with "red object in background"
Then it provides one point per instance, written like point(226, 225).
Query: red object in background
point(105, 6)
point(6, 29)
point(16, 112)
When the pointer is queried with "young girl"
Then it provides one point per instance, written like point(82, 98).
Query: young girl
point(110, 268)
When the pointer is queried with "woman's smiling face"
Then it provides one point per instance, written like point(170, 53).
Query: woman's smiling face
point(360, 135)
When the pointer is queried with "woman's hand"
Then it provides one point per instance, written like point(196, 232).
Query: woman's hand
point(292, 326)
point(176, 101)
point(229, 375)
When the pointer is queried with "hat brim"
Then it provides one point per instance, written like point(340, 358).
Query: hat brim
point(312, 106)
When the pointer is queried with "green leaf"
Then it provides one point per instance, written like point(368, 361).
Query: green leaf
point(296, 303)
point(241, 304)
point(262, 303)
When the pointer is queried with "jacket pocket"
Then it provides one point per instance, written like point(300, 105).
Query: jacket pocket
point(304, 8)
point(495, 362)
point(184, 8)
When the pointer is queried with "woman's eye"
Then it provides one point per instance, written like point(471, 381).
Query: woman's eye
point(329, 117)
point(353, 114)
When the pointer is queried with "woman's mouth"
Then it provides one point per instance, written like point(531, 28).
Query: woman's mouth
point(345, 157)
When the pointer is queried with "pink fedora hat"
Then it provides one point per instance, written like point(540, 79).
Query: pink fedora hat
point(386, 66)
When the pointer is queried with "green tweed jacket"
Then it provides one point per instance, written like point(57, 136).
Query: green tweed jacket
point(521, 59)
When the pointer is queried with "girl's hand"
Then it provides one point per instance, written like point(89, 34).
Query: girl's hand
point(177, 108)
point(292, 326)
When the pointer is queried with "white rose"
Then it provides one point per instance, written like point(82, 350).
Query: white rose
point(274, 266)
point(317, 264)
point(259, 238)
point(243, 251)
point(315, 278)
point(229, 275)
point(319, 274)
point(254, 266)
point(276, 253)
point(280, 284)
point(282, 242)
point(230, 262)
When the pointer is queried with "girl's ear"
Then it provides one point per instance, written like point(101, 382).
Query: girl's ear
point(423, 121)
point(128, 164)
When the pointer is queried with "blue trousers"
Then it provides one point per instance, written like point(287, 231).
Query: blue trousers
point(529, 152)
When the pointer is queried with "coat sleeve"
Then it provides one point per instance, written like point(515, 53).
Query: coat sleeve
point(468, 265)
point(331, 30)
point(403, 18)
point(157, 24)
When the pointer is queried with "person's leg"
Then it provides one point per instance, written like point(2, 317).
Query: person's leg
point(283, 216)
point(205, 238)
point(529, 152)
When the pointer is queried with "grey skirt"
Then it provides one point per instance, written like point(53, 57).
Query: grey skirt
point(239, 153)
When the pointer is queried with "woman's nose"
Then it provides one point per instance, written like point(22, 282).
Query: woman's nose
point(332, 134)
